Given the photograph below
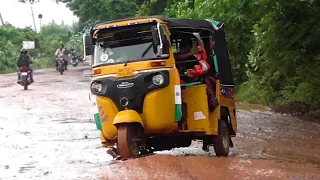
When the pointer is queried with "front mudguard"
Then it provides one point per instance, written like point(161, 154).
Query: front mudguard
point(127, 116)
point(24, 79)
point(61, 67)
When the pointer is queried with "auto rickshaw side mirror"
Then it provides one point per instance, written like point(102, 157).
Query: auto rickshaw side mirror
point(88, 45)
point(155, 39)
point(160, 41)
point(165, 42)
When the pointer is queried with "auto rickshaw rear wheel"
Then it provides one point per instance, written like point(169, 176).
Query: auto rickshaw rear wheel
point(129, 138)
point(221, 142)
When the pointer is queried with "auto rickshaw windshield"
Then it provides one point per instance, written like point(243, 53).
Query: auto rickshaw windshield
point(132, 44)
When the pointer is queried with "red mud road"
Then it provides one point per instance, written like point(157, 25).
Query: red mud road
point(47, 132)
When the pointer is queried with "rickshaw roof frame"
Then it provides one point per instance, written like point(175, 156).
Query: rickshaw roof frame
point(172, 23)
point(97, 26)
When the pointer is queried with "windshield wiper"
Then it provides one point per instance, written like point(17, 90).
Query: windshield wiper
point(125, 64)
point(143, 54)
point(147, 50)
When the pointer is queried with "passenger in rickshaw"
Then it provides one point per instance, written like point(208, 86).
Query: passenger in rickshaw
point(199, 52)
point(185, 50)
point(200, 70)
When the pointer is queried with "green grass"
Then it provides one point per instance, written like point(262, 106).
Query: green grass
point(43, 63)
point(39, 63)
point(7, 71)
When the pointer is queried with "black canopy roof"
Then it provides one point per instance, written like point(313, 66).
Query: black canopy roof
point(188, 24)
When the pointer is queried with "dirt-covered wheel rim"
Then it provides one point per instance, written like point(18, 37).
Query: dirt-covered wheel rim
point(225, 137)
point(221, 142)
point(128, 140)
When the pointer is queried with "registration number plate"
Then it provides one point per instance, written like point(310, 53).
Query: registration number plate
point(124, 72)
point(24, 73)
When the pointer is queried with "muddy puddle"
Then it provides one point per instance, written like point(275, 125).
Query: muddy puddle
point(202, 167)
point(48, 132)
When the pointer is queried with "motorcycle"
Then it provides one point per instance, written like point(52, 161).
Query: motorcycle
point(74, 60)
point(61, 64)
point(25, 80)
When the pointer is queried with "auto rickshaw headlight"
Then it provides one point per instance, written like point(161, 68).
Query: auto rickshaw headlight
point(158, 80)
point(96, 87)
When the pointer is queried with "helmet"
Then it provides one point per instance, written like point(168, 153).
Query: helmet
point(23, 50)
point(186, 42)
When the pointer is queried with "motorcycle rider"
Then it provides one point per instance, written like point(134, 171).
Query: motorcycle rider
point(61, 52)
point(25, 60)
point(73, 52)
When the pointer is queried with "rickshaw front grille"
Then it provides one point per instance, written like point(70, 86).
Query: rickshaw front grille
point(134, 89)
point(135, 99)
point(135, 102)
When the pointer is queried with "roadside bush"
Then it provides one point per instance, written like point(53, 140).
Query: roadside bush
point(46, 43)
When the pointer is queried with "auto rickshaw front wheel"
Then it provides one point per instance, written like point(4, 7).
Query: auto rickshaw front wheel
point(221, 142)
point(129, 138)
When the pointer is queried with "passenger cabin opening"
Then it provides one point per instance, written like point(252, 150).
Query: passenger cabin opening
point(179, 39)
point(186, 42)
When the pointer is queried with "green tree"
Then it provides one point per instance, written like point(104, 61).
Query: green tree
point(11, 43)
point(51, 36)
point(238, 20)
point(286, 50)
point(46, 43)
point(102, 10)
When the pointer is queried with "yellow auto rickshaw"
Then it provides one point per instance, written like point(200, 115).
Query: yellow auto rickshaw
point(144, 100)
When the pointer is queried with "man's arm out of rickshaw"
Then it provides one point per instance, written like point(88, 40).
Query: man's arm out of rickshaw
point(184, 56)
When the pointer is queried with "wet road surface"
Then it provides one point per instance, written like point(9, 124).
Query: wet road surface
point(48, 132)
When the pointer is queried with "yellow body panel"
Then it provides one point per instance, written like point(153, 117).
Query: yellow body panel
point(107, 112)
point(136, 66)
point(103, 140)
point(158, 115)
point(127, 116)
point(230, 104)
point(159, 110)
point(196, 99)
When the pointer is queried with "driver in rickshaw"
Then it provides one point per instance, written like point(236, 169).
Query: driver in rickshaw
point(200, 70)
point(185, 50)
